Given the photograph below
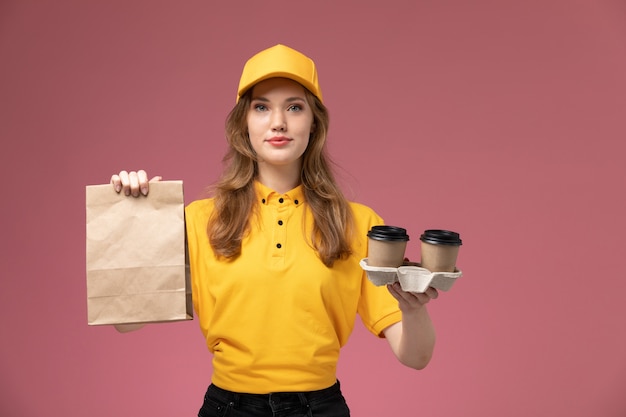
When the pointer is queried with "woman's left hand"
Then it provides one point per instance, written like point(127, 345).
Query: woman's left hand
point(411, 300)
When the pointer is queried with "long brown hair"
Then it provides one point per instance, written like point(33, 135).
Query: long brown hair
point(235, 195)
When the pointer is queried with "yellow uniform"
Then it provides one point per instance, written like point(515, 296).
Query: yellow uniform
point(276, 317)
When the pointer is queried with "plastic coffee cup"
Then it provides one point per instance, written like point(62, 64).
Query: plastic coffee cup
point(386, 246)
point(440, 249)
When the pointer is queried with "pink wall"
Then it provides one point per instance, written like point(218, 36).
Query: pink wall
point(503, 120)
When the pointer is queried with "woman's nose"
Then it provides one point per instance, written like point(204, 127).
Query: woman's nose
point(278, 122)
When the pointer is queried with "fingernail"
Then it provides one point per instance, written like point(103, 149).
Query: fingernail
point(118, 188)
point(144, 190)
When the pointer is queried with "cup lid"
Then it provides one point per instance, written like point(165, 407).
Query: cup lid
point(389, 233)
point(441, 237)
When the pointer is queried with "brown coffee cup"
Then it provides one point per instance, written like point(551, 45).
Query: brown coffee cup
point(386, 246)
point(440, 249)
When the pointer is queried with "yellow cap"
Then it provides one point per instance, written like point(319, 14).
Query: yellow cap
point(279, 61)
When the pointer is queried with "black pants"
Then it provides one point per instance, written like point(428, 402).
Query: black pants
point(327, 402)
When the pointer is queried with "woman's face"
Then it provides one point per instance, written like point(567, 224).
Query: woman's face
point(280, 122)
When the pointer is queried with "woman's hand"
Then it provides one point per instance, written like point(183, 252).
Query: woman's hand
point(410, 301)
point(133, 183)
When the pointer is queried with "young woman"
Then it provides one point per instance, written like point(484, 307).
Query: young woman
point(275, 253)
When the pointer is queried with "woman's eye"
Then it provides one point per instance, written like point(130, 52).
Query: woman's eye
point(295, 107)
point(260, 107)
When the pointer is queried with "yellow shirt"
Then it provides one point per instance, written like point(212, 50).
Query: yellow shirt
point(276, 317)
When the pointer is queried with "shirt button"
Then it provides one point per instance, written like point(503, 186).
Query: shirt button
point(280, 222)
point(296, 201)
point(263, 201)
point(278, 245)
point(281, 200)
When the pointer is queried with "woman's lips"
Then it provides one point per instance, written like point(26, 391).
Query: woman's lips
point(279, 141)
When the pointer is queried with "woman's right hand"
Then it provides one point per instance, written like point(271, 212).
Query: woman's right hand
point(133, 183)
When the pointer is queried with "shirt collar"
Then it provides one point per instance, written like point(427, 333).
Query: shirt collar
point(268, 196)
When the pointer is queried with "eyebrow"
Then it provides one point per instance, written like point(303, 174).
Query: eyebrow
point(288, 100)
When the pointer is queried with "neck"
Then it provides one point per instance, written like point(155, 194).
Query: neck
point(279, 178)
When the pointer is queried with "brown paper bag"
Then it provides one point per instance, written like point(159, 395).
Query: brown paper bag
point(137, 268)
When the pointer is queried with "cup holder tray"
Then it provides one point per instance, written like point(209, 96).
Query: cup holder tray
point(412, 277)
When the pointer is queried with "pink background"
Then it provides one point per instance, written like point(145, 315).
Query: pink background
point(503, 120)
